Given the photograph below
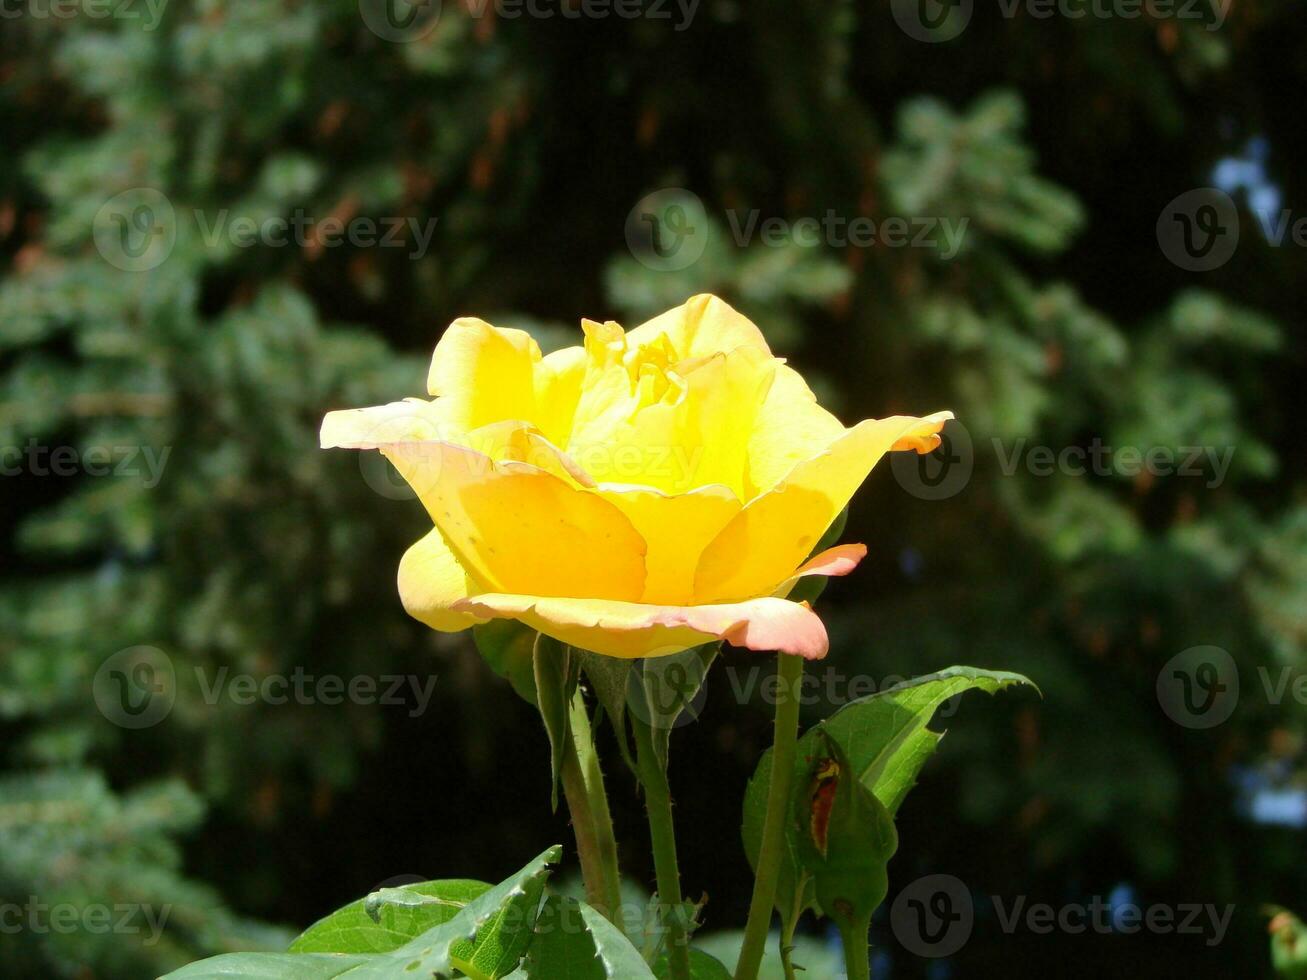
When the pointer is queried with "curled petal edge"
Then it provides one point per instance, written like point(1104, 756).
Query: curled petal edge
point(630, 629)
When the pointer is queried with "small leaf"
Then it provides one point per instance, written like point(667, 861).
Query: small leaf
point(702, 967)
point(572, 941)
point(507, 646)
point(388, 918)
point(269, 966)
point(554, 681)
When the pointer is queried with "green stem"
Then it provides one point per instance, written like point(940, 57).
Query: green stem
point(583, 827)
point(605, 841)
point(789, 670)
point(662, 832)
point(853, 936)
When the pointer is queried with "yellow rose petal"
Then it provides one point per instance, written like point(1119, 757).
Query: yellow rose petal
point(485, 374)
point(412, 420)
point(676, 530)
point(518, 528)
point(672, 427)
point(431, 580)
point(790, 427)
point(700, 326)
point(763, 544)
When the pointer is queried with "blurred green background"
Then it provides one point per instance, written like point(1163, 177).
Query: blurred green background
point(140, 327)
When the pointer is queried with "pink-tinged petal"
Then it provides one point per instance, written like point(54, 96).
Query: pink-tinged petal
point(632, 629)
point(839, 560)
point(766, 624)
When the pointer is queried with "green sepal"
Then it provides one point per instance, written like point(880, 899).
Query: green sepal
point(610, 679)
point(555, 682)
point(661, 688)
point(508, 646)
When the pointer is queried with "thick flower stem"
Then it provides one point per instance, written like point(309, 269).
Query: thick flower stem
point(853, 935)
point(658, 804)
point(605, 841)
point(790, 674)
point(583, 827)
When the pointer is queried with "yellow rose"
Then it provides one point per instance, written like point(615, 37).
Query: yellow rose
point(647, 492)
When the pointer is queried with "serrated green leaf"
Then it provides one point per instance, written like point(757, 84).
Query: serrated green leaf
point(702, 967)
point(388, 918)
point(270, 966)
point(572, 941)
point(885, 734)
point(491, 933)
